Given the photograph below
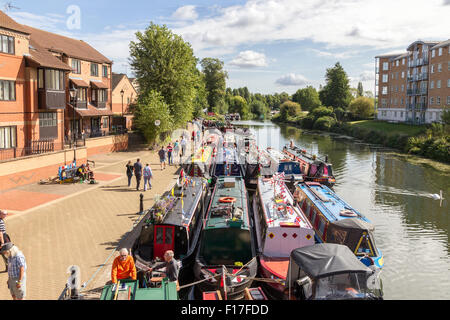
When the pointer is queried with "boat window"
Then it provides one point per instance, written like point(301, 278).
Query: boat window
point(313, 215)
point(159, 235)
point(330, 171)
point(169, 235)
point(321, 228)
point(364, 246)
point(341, 286)
point(313, 170)
point(325, 170)
point(337, 236)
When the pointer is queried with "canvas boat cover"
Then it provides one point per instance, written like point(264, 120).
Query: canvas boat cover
point(326, 259)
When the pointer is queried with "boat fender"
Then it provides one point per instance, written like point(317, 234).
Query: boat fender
point(227, 200)
point(347, 213)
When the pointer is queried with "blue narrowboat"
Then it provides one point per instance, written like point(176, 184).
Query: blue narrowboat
point(335, 221)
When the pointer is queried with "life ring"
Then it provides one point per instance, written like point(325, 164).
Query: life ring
point(348, 213)
point(227, 200)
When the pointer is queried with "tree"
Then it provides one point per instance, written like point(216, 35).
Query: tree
point(360, 89)
point(308, 98)
point(361, 107)
point(239, 105)
point(200, 101)
point(150, 108)
point(163, 62)
point(336, 92)
point(215, 81)
point(290, 109)
point(259, 110)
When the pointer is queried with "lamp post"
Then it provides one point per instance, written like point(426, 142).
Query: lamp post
point(73, 95)
point(122, 92)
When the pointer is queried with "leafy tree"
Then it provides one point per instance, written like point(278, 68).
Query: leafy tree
point(239, 105)
point(215, 81)
point(361, 107)
point(323, 112)
point(336, 92)
point(200, 100)
point(259, 110)
point(164, 62)
point(308, 98)
point(290, 109)
point(149, 108)
point(360, 89)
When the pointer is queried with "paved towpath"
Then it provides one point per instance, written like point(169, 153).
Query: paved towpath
point(56, 226)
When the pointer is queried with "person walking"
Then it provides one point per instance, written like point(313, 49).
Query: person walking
point(17, 267)
point(4, 237)
point(183, 147)
point(138, 173)
point(148, 174)
point(176, 149)
point(130, 169)
point(169, 154)
point(162, 157)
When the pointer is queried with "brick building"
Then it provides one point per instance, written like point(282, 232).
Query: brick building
point(414, 87)
point(123, 95)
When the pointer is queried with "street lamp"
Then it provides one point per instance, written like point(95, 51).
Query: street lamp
point(73, 95)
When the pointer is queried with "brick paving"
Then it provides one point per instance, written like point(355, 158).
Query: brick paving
point(83, 227)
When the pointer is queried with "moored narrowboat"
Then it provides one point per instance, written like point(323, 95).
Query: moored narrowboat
point(173, 223)
point(281, 163)
point(280, 227)
point(313, 168)
point(226, 256)
point(203, 159)
point(335, 221)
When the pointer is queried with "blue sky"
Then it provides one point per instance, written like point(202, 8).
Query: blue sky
point(267, 45)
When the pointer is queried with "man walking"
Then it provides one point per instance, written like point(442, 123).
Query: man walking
point(17, 279)
point(162, 157)
point(147, 177)
point(169, 154)
point(138, 173)
point(4, 238)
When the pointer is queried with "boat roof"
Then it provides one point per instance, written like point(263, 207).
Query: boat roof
point(303, 154)
point(238, 192)
point(274, 193)
point(326, 259)
point(227, 155)
point(204, 156)
point(278, 156)
point(327, 201)
point(183, 210)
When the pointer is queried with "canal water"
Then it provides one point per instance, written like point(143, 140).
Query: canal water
point(411, 228)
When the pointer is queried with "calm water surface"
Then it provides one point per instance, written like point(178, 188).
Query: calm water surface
point(411, 228)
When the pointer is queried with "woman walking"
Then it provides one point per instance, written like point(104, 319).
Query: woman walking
point(130, 169)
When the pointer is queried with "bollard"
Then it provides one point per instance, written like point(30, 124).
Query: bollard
point(141, 203)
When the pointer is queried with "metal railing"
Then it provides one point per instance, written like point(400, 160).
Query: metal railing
point(32, 148)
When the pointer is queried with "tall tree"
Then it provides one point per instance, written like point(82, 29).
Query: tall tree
point(336, 92)
point(360, 89)
point(215, 81)
point(164, 62)
point(308, 98)
point(239, 105)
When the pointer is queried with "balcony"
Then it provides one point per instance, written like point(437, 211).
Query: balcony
point(51, 99)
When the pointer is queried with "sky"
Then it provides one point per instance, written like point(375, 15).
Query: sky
point(268, 46)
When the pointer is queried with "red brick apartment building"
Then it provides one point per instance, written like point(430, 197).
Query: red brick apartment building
point(124, 94)
point(49, 85)
point(414, 87)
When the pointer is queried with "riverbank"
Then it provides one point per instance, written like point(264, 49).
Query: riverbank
point(390, 135)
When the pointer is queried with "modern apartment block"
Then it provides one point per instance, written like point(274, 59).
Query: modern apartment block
point(52, 89)
point(414, 87)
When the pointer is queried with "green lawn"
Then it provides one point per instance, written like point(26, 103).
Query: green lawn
point(389, 128)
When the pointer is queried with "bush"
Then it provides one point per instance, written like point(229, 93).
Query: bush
point(361, 107)
point(323, 112)
point(324, 123)
point(308, 121)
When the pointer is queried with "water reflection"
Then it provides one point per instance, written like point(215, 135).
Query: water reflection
point(412, 229)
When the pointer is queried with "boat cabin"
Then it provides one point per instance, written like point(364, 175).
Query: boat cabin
point(173, 223)
point(327, 212)
point(313, 168)
point(283, 164)
point(130, 290)
point(228, 162)
point(329, 271)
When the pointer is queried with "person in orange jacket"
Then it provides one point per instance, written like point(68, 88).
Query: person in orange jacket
point(123, 267)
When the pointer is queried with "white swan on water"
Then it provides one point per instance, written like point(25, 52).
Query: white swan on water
point(436, 196)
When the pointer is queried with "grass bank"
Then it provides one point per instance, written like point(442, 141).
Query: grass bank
point(389, 128)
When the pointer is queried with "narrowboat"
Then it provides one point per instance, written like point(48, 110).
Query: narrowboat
point(329, 271)
point(335, 221)
point(280, 227)
point(160, 290)
point(228, 162)
point(203, 159)
point(281, 163)
point(313, 168)
point(173, 223)
point(226, 257)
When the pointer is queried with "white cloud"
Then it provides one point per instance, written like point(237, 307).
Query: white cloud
point(336, 55)
point(249, 59)
point(292, 79)
point(49, 22)
point(185, 13)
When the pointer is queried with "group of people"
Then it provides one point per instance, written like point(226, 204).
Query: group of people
point(139, 171)
point(85, 173)
point(15, 263)
point(123, 267)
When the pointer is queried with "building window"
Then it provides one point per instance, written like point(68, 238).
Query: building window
point(383, 102)
point(448, 67)
point(392, 75)
point(54, 80)
point(385, 78)
point(438, 100)
point(397, 63)
point(41, 79)
point(403, 87)
point(81, 95)
point(448, 100)
point(403, 61)
point(8, 137)
point(403, 74)
point(433, 53)
point(105, 71)
point(105, 123)
point(384, 90)
point(432, 68)
point(432, 85)
point(401, 101)
point(440, 52)
point(94, 69)
point(431, 101)
point(438, 84)
point(401, 114)
point(7, 44)
point(7, 90)
point(385, 66)
point(48, 119)
point(102, 96)
point(439, 69)
point(448, 83)
point(76, 66)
